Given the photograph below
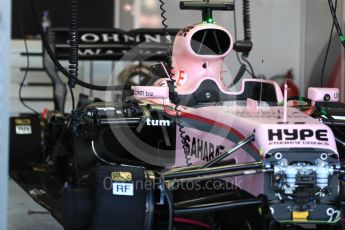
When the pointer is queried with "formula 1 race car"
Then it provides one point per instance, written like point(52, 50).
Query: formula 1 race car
point(188, 153)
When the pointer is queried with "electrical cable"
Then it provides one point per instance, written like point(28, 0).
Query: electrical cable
point(98, 156)
point(73, 47)
point(170, 207)
point(27, 66)
point(73, 42)
point(72, 96)
point(246, 20)
point(251, 72)
point(174, 97)
point(235, 31)
point(164, 18)
point(247, 34)
point(24, 79)
point(335, 24)
point(56, 61)
point(328, 47)
point(173, 94)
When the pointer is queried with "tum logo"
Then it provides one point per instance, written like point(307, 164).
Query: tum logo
point(150, 122)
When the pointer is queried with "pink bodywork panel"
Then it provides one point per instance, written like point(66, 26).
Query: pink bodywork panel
point(186, 60)
point(243, 121)
point(143, 92)
point(227, 123)
point(318, 94)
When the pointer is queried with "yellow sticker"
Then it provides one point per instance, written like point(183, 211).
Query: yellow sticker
point(22, 121)
point(300, 216)
point(262, 152)
point(121, 176)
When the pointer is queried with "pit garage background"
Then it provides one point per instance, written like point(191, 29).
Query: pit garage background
point(287, 34)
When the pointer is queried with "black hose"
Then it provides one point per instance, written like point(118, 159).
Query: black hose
point(164, 18)
point(246, 20)
point(217, 206)
point(73, 47)
point(57, 63)
point(169, 200)
point(73, 42)
point(27, 64)
point(328, 47)
point(173, 94)
point(247, 37)
point(251, 72)
point(72, 96)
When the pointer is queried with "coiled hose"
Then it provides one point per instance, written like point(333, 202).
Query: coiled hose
point(56, 61)
point(73, 42)
point(246, 20)
point(247, 33)
point(164, 19)
point(173, 93)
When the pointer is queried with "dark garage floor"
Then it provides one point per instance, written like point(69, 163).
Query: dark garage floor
point(19, 203)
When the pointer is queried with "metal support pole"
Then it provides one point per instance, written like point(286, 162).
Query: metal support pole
point(227, 170)
point(217, 206)
point(230, 150)
point(216, 176)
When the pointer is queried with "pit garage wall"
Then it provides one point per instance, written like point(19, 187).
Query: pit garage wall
point(318, 22)
point(4, 85)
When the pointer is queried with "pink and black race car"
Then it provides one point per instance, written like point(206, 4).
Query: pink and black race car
point(189, 152)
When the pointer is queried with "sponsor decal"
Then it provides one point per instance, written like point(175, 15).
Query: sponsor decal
point(22, 121)
point(121, 176)
point(122, 185)
point(23, 129)
point(123, 189)
point(202, 149)
point(151, 122)
point(143, 93)
point(182, 77)
point(119, 38)
point(298, 136)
